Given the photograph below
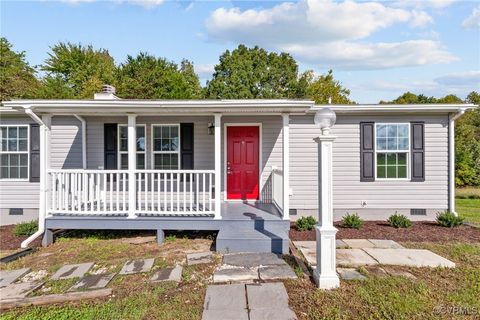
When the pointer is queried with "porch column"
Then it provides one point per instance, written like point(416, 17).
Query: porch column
point(286, 165)
point(132, 165)
point(325, 273)
point(218, 165)
point(44, 166)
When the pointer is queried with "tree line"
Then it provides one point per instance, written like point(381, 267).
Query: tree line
point(76, 71)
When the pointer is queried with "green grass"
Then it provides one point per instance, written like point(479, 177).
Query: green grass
point(469, 209)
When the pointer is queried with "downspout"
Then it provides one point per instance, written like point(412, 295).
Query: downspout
point(84, 140)
point(41, 213)
point(451, 160)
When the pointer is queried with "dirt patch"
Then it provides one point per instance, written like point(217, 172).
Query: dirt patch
point(9, 241)
point(422, 231)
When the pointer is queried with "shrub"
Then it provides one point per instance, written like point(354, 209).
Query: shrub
point(26, 228)
point(448, 219)
point(352, 221)
point(306, 223)
point(399, 221)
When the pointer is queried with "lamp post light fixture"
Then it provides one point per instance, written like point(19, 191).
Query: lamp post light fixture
point(325, 119)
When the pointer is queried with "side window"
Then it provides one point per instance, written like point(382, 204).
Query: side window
point(392, 150)
point(123, 147)
point(166, 147)
point(14, 158)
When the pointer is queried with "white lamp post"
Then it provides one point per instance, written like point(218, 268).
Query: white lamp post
point(325, 273)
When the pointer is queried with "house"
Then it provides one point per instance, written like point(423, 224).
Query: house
point(243, 167)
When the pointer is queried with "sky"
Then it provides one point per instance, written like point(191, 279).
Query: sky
point(376, 49)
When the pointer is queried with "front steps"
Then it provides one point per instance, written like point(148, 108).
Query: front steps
point(252, 240)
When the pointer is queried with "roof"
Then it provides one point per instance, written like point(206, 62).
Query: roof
point(197, 107)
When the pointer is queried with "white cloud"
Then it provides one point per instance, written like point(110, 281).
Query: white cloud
point(204, 70)
point(423, 4)
point(328, 33)
point(473, 20)
point(149, 4)
point(461, 79)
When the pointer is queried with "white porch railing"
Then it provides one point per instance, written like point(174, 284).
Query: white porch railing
point(277, 187)
point(158, 192)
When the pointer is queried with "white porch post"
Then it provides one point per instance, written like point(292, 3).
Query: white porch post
point(325, 273)
point(218, 165)
point(286, 166)
point(44, 166)
point(132, 165)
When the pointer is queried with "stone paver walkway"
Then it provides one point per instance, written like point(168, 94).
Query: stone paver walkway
point(93, 281)
point(199, 258)
point(10, 276)
point(168, 274)
point(72, 271)
point(137, 266)
point(19, 290)
point(242, 302)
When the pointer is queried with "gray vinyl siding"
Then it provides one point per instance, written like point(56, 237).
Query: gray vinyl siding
point(348, 191)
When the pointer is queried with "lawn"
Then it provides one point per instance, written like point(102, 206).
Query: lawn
point(134, 297)
point(467, 206)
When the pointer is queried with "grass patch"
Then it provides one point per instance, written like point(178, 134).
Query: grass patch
point(467, 193)
point(55, 287)
point(469, 209)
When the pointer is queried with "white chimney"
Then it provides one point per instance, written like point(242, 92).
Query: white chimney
point(107, 93)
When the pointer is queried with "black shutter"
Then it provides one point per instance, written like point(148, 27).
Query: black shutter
point(186, 146)
point(418, 151)
point(110, 146)
point(367, 151)
point(34, 153)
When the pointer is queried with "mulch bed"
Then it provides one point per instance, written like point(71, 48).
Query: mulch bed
point(9, 241)
point(422, 231)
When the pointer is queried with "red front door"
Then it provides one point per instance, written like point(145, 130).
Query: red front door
point(242, 162)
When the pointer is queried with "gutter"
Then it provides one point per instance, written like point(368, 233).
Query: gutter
point(451, 159)
point(41, 213)
point(84, 140)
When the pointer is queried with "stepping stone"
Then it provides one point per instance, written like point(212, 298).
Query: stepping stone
point(409, 257)
point(350, 274)
point(276, 272)
point(10, 276)
point(225, 314)
point(199, 258)
point(140, 240)
point(272, 314)
point(267, 295)
point(376, 271)
point(225, 297)
point(341, 244)
point(72, 271)
point(385, 244)
point(93, 281)
point(234, 275)
point(354, 258)
point(358, 243)
point(399, 273)
point(308, 250)
point(19, 290)
point(253, 259)
point(168, 274)
point(137, 266)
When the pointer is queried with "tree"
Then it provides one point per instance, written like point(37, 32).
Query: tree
point(411, 98)
point(254, 73)
point(17, 78)
point(148, 77)
point(322, 88)
point(79, 70)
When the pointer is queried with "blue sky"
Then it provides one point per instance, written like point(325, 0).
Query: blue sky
point(377, 49)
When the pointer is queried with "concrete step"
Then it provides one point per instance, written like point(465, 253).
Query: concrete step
point(252, 240)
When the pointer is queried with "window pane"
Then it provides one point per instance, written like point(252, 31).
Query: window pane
point(12, 132)
point(391, 172)
point(381, 171)
point(381, 143)
point(392, 144)
point(22, 132)
point(391, 130)
point(174, 144)
point(174, 132)
point(141, 144)
point(165, 144)
point(123, 132)
point(124, 161)
point(140, 161)
point(14, 160)
point(157, 132)
point(23, 172)
point(403, 130)
point(4, 172)
point(402, 159)
point(123, 145)
point(14, 173)
point(402, 171)
point(403, 143)
point(381, 131)
point(4, 145)
point(157, 144)
point(3, 133)
point(24, 160)
point(174, 161)
point(165, 132)
point(381, 159)
point(12, 144)
point(22, 145)
point(166, 161)
point(391, 159)
point(4, 160)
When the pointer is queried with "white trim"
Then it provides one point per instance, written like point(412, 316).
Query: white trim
point(407, 151)
point(260, 171)
point(286, 165)
point(120, 152)
point(18, 152)
point(153, 152)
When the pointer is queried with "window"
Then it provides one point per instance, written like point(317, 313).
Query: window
point(14, 152)
point(166, 146)
point(392, 149)
point(123, 146)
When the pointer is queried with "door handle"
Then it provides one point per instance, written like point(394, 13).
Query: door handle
point(228, 170)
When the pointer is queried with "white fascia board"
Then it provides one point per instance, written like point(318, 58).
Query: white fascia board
point(395, 108)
